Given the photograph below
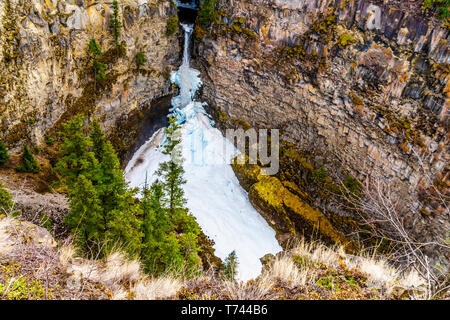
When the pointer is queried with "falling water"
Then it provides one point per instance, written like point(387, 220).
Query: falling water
point(214, 195)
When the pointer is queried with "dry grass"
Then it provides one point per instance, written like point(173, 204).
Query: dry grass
point(156, 288)
point(120, 270)
point(5, 241)
point(246, 291)
point(286, 270)
point(379, 272)
point(293, 274)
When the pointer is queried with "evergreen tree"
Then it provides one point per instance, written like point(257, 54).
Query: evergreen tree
point(141, 59)
point(161, 249)
point(4, 156)
point(172, 171)
point(29, 164)
point(85, 219)
point(115, 23)
point(103, 214)
point(75, 155)
point(95, 52)
point(230, 266)
point(170, 232)
point(94, 48)
point(98, 140)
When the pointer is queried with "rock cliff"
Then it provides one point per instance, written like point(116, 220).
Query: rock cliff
point(46, 75)
point(359, 88)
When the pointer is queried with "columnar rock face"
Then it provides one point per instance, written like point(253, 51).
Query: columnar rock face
point(46, 75)
point(357, 86)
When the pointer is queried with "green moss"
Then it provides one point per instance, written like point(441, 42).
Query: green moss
point(271, 191)
point(353, 185)
point(357, 101)
point(222, 116)
point(238, 29)
point(199, 32)
point(293, 154)
point(328, 282)
point(319, 176)
point(15, 286)
point(345, 40)
point(399, 125)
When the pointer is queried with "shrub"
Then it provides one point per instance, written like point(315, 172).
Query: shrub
point(49, 140)
point(352, 185)
point(442, 7)
point(172, 25)
point(318, 176)
point(206, 13)
point(4, 156)
point(29, 164)
point(6, 203)
point(141, 59)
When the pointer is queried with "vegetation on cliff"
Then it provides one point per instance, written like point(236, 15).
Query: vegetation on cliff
point(305, 271)
point(115, 23)
point(29, 163)
point(172, 25)
point(102, 209)
point(171, 231)
point(4, 156)
point(104, 214)
point(441, 6)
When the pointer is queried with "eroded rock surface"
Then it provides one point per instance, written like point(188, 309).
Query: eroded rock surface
point(359, 87)
point(46, 75)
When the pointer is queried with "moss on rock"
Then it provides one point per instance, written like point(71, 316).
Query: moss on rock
point(281, 204)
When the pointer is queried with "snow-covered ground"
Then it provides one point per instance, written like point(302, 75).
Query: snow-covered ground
point(214, 195)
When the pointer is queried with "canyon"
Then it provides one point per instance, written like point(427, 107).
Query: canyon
point(357, 87)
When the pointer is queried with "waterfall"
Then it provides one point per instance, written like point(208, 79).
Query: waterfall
point(214, 195)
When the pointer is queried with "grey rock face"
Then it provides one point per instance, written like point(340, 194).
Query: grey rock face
point(398, 61)
point(45, 68)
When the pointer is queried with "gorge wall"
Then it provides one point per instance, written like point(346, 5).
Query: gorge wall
point(358, 87)
point(46, 75)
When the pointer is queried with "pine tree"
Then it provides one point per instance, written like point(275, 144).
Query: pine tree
point(95, 52)
point(4, 156)
point(94, 48)
point(98, 140)
point(115, 24)
point(173, 228)
point(172, 171)
point(90, 168)
point(85, 219)
point(29, 164)
point(230, 266)
point(75, 155)
point(141, 59)
point(161, 249)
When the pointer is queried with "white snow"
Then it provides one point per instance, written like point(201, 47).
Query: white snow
point(214, 195)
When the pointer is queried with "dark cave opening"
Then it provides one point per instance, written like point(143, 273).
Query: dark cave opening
point(188, 11)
